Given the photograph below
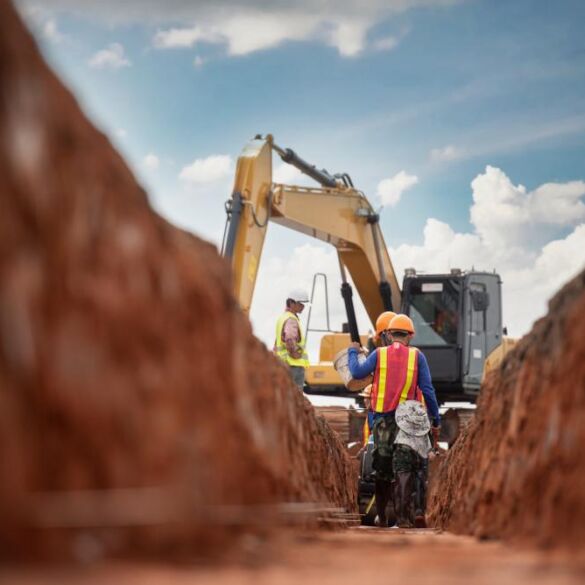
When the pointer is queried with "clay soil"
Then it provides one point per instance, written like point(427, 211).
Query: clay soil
point(518, 471)
point(134, 398)
point(359, 555)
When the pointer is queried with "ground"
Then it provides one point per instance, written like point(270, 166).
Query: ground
point(353, 556)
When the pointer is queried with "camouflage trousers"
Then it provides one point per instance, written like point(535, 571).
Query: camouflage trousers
point(405, 459)
point(388, 458)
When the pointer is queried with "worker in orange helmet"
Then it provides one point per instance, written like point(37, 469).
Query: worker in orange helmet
point(382, 336)
point(382, 324)
point(399, 372)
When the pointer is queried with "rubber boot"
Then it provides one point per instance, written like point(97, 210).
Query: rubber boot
point(403, 498)
point(382, 494)
point(420, 499)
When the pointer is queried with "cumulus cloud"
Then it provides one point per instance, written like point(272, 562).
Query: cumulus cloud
point(151, 162)
point(446, 154)
point(349, 37)
point(507, 215)
point(207, 170)
point(505, 218)
point(390, 190)
point(244, 27)
point(112, 57)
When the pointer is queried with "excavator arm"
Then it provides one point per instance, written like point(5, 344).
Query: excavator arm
point(336, 213)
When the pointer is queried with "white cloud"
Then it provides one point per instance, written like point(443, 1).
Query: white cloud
point(112, 57)
point(507, 215)
point(390, 190)
point(349, 37)
point(151, 162)
point(42, 23)
point(251, 26)
point(207, 170)
point(287, 174)
point(121, 133)
point(52, 32)
point(176, 38)
point(386, 43)
point(446, 154)
point(509, 223)
point(244, 27)
point(198, 61)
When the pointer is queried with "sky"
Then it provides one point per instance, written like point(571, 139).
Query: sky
point(463, 120)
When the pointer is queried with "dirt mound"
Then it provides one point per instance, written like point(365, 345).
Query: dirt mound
point(518, 470)
point(137, 410)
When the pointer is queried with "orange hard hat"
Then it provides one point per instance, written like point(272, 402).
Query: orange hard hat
point(383, 321)
point(401, 323)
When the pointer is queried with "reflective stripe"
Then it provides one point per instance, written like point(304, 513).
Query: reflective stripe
point(383, 357)
point(366, 431)
point(409, 374)
point(280, 348)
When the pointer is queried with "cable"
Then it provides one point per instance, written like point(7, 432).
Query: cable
point(268, 210)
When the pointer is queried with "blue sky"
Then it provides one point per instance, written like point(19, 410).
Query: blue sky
point(434, 89)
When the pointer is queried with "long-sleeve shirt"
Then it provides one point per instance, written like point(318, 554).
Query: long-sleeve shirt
point(424, 378)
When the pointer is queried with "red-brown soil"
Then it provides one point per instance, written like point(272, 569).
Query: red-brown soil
point(518, 471)
point(343, 558)
point(133, 395)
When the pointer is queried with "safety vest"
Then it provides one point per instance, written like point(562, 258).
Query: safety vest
point(396, 377)
point(280, 347)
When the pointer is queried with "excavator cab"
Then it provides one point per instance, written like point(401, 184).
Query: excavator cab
point(458, 322)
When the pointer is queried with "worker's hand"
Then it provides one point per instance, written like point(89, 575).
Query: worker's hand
point(436, 431)
point(355, 345)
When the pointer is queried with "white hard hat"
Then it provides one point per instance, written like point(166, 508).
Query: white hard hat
point(299, 295)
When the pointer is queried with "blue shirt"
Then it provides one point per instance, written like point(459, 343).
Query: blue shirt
point(424, 378)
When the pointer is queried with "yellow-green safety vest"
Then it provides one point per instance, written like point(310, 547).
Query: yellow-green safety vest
point(280, 347)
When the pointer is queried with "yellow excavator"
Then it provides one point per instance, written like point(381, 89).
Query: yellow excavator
point(457, 316)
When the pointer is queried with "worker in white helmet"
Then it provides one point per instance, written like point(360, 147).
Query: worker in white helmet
point(289, 343)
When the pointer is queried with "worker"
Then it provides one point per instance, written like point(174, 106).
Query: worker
point(382, 337)
point(289, 343)
point(399, 372)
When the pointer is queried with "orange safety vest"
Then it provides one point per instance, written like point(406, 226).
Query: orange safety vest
point(395, 378)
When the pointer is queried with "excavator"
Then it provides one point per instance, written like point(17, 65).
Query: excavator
point(457, 316)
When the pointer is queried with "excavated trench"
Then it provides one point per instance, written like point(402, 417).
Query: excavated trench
point(141, 419)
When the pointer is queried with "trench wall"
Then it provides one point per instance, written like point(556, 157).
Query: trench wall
point(138, 413)
point(518, 471)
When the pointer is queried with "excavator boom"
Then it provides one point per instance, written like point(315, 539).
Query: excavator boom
point(336, 213)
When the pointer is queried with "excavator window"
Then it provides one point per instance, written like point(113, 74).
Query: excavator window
point(434, 309)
